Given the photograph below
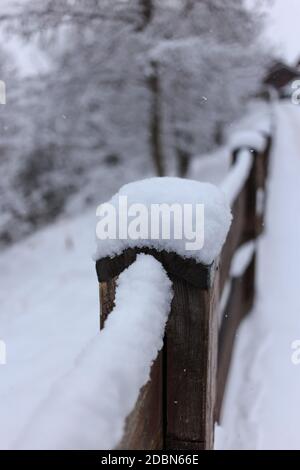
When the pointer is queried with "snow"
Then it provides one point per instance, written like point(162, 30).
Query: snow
point(87, 408)
point(211, 168)
point(238, 174)
point(260, 201)
point(13, 7)
point(239, 264)
point(224, 300)
point(191, 95)
point(258, 118)
point(251, 139)
point(242, 259)
point(283, 28)
point(250, 132)
point(168, 190)
point(2, 353)
point(29, 58)
point(262, 401)
point(112, 128)
point(49, 313)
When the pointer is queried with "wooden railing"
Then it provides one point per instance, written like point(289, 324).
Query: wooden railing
point(178, 407)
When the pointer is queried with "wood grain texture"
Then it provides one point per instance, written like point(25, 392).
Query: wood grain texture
point(195, 273)
point(191, 362)
point(107, 299)
point(176, 407)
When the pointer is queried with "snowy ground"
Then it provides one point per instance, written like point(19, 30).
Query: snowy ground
point(49, 313)
point(262, 404)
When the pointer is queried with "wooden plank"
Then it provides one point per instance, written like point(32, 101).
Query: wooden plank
point(262, 175)
point(181, 394)
point(191, 363)
point(235, 237)
point(246, 225)
point(250, 227)
point(194, 273)
point(267, 154)
point(240, 302)
point(107, 299)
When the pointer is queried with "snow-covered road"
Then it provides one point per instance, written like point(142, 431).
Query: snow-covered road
point(262, 404)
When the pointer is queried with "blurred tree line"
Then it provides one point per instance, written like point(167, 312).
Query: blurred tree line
point(133, 88)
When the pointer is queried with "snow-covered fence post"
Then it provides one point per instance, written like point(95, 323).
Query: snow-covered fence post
point(176, 408)
point(256, 189)
point(242, 287)
point(144, 429)
point(248, 210)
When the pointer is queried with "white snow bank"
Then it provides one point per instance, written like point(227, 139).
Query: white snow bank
point(87, 409)
point(236, 178)
point(247, 138)
point(217, 217)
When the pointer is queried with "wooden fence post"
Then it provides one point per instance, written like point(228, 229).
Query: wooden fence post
point(191, 365)
point(176, 408)
point(144, 427)
point(242, 289)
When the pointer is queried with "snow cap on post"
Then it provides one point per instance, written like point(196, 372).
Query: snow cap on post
point(175, 194)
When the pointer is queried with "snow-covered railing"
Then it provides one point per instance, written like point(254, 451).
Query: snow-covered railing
point(87, 408)
point(238, 257)
point(178, 407)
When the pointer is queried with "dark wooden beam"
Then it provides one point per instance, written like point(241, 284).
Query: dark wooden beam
point(196, 274)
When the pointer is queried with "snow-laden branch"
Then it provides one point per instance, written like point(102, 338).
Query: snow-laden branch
point(88, 408)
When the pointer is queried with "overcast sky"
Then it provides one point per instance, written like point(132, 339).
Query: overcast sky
point(284, 28)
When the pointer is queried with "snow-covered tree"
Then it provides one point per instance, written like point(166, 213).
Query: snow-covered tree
point(135, 86)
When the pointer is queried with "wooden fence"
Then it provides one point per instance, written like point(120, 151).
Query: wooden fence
point(179, 406)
